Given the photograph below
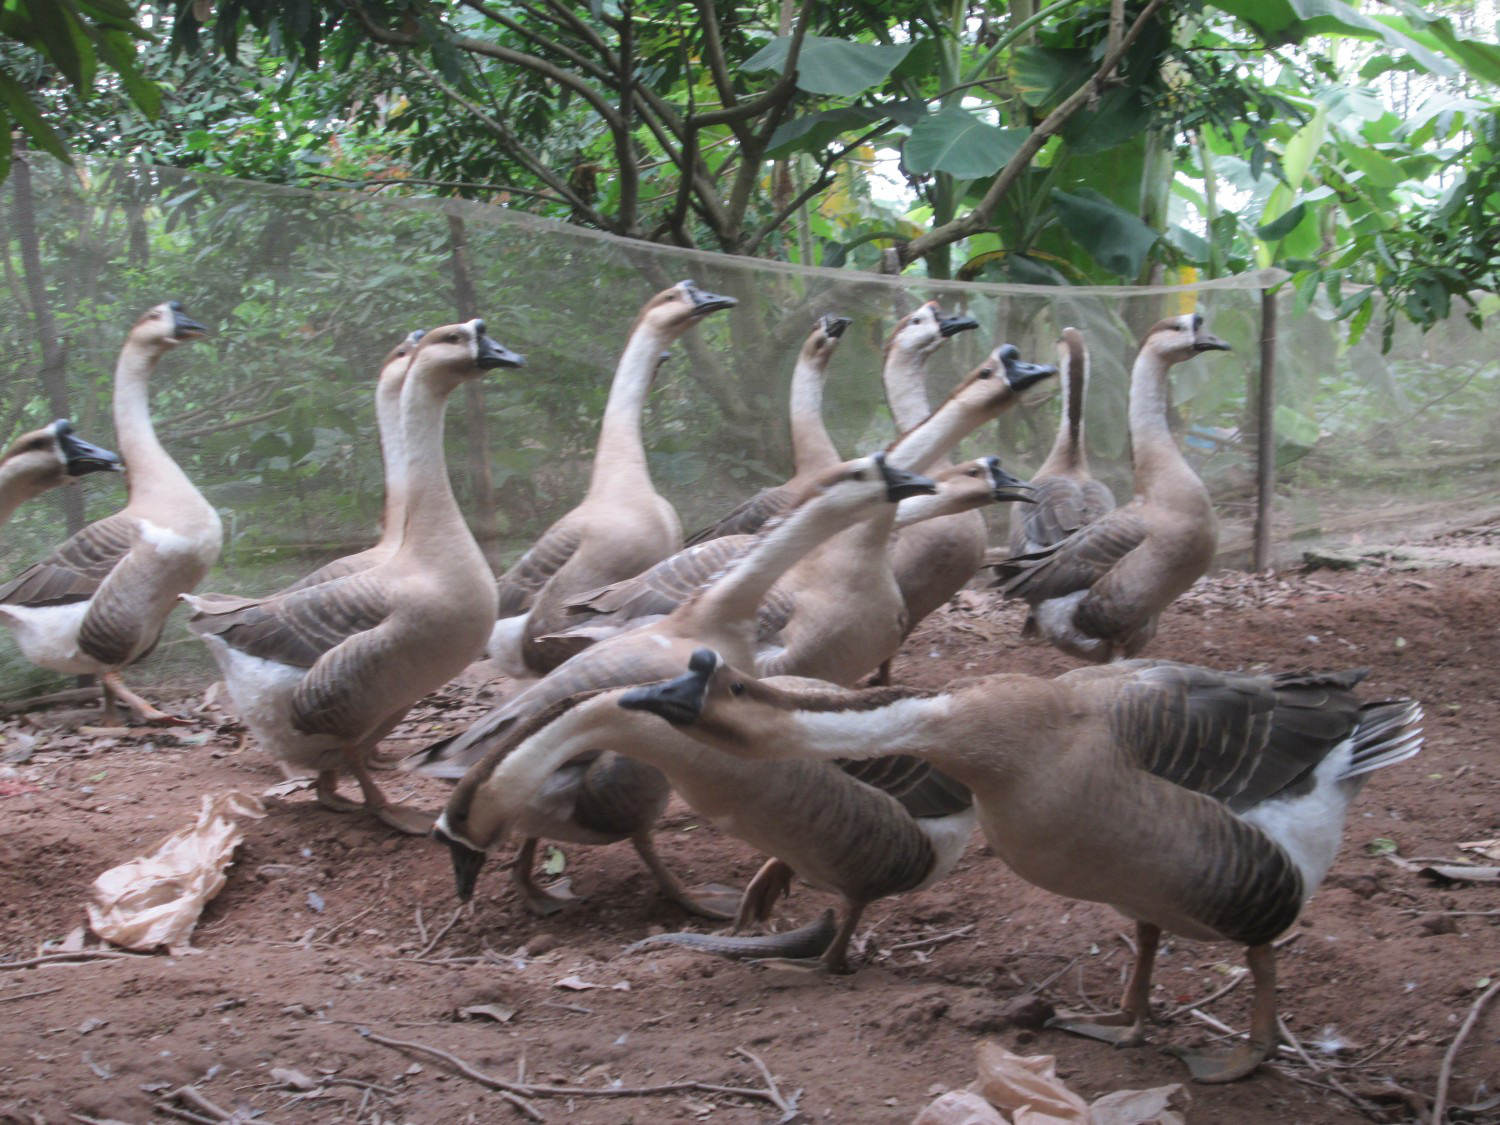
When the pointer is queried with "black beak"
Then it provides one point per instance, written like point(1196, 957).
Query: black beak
point(1208, 342)
point(678, 701)
point(492, 354)
point(1020, 374)
point(705, 302)
point(466, 864)
point(83, 457)
point(899, 484)
point(833, 326)
point(1004, 487)
point(953, 325)
point(183, 327)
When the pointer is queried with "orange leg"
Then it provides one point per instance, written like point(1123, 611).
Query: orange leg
point(1238, 1062)
point(1127, 1027)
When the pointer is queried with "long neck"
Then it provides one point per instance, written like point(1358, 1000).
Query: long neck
point(812, 448)
point(620, 457)
point(917, 509)
point(920, 448)
point(905, 378)
point(1152, 448)
point(1067, 449)
point(433, 524)
point(153, 475)
point(16, 487)
point(392, 455)
point(739, 593)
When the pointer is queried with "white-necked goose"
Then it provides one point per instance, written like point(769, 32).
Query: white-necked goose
point(622, 525)
point(99, 601)
point(1099, 593)
point(813, 450)
point(322, 674)
point(45, 459)
point(873, 830)
point(602, 797)
point(1207, 804)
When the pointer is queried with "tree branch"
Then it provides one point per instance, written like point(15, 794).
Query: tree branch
point(780, 91)
point(581, 61)
point(978, 217)
point(459, 185)
point(718, 69)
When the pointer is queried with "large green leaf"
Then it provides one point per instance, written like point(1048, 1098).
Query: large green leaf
point(1481, 59)
point(812, 132)
point(953, 140)
point(25, 114)
point(1292, 21)
point(1112, 236)
point(831, 66)
point(1044, 75)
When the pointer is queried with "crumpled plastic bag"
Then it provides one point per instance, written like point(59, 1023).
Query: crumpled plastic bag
point(156, 899)
point(1027, 1089)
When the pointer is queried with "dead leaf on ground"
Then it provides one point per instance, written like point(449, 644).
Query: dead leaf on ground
point(489, 1012)
point(576, 984)
point(1490, 848)
point(293, 1078)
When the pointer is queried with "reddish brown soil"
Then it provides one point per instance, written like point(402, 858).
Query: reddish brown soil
point(1375, 985)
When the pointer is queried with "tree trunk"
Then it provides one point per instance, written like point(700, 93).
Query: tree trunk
point(476, 428)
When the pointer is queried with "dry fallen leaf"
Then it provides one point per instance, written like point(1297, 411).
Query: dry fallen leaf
point(293, 1078)
point(576, 984)
point(489, 1012)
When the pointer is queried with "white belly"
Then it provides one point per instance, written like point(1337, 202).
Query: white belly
point(48, 636)
point(262, 693)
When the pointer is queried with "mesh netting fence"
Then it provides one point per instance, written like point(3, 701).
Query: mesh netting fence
point(305, 292)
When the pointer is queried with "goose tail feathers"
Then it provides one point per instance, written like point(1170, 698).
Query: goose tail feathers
point(1387, 733)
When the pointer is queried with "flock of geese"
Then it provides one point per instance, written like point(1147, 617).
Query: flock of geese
point(1208, 804)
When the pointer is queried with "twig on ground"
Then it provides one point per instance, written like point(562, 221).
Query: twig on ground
point(350, 921)
point(28, 995)
point(517, 1092)
point(1042, 987)
point(787, 1108)
point(184, 1114)
point(1211, 997)
point(196, 1100)
point(579, 1008)
point(1286, 939)
point(441, 934)
point(421, 927)
point(76, 955)
point(1445, 1075)
point(938, 939)
point(1454, 913)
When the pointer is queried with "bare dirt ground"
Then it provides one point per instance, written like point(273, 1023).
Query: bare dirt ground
point(331, 926)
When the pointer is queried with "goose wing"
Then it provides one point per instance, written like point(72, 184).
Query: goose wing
point(664, 587)
point(519, 585)
point(922, 790)
point(77, 568)
point(299, 627)
point(1237, 738)
point(1061, 507)
point(1079, 562)
point(748, 518)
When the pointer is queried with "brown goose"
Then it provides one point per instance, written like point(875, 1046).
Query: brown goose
point(813, 450)
point(1207, 804)
point(322, 674)
point(45, 459)
point(873, 830)
point(1099, 593)
point(98, 603)
point(622, 526)
point(603, 797)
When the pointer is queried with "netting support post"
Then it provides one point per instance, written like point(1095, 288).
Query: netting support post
point(1265, 432)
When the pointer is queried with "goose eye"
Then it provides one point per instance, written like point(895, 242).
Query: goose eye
point(986, 372)
point(736, 688)
point(39, 445)
point(452, 337)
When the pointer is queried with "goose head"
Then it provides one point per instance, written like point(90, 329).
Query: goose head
point(729, 709)
point(678, 307)
point(976, 483)
point(403, 350)
point(824, 338)
point(1181, 337)
point(999, 378)
point(923, 330)
point(166, 326)
point(55, 454)
point(855, 485)
point(458, 352)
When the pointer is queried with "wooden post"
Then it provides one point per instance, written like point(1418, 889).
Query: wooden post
point(1265, 432)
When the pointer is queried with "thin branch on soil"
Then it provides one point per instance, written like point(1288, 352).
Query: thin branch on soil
point(515, 1092)
point(197, 1101)
point(184, 1114)
point(1038, 990)
point(1453, 913)
point(1296, 1045)
point(787, 1108)
point(76, 955)
point(349, 921)
point(28, 995)
point(1286, 939)
point(441, 934)
point(579, 1008)
point(1445, 1075)
point(421, 929)
point(1211, 997)
point(939, 939)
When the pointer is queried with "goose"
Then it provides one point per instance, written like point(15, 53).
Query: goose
point(322, 673)
point(656, 592)
point(388, 387)
point(1098, 594)
point(45, 459)
point(603, 797)
point(813, 450)
point(1206, 804)
point(99, 601)
point(1067, 497)
point(876, 829)
point(841, 630)
point(622, 525)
